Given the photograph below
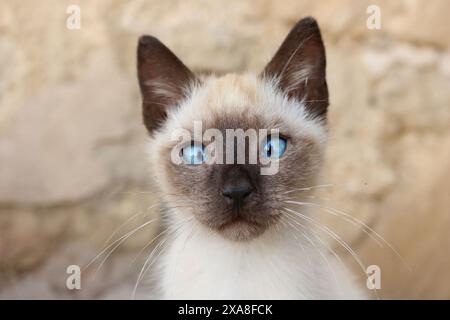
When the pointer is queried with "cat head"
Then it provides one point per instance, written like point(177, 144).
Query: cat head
point(285, 106)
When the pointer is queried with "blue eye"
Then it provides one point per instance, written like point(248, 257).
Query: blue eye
point(274, 148)
point(193, 154)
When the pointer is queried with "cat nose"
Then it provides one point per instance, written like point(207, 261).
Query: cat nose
point(235, 193)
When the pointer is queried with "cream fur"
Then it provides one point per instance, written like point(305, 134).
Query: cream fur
point(199, 263)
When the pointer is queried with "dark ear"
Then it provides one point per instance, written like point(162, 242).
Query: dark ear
point(163, 80)
point(299, 67)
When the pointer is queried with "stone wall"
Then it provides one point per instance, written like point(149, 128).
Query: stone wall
point(72, 157)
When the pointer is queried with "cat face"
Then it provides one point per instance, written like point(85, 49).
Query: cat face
point(289, 97)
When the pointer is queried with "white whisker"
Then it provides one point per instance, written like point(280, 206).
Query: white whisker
point(322, 255)
point(355, 221)
point(120, 240)
point(333, 235)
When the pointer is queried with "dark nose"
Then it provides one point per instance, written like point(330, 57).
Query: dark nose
point(237, 191)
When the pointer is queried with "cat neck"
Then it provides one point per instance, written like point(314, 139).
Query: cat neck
point(199, 263)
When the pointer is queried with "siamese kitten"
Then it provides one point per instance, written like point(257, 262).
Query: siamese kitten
point(231, 231)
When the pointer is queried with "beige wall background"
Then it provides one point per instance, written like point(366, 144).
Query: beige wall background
point(72, 157)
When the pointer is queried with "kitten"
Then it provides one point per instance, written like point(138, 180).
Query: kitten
point(230, 232)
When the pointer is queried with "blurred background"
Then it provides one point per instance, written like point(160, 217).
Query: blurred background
point(72, 145)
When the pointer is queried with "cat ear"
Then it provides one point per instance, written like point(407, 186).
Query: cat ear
point(299, 67)
point(164, 80)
